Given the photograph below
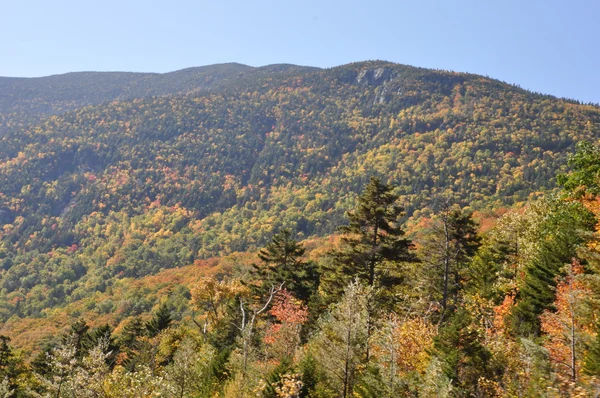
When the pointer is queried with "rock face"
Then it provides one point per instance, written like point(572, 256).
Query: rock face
point(374, 77)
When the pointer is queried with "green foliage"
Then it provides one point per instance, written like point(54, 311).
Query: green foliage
point(447, 249)
point(491, 264)
point(283, 262)
point(310, 374)
point(256, 150)
point(341, 346)
point(565, 228)
point(584, 176)
point(464, 359)
point(273, 379)
point(102, 336)
point(160, 321)
point(373, 244)
point(591, 364)
point(106, 180)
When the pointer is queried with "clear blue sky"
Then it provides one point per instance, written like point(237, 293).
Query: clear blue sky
point(548, 46)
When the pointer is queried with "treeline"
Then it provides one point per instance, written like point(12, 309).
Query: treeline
point(452, 311)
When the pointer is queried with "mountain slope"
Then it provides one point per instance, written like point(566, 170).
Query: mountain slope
point(28, 100)
point(132, 187)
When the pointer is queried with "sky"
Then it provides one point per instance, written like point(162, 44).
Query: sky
point(547, 46)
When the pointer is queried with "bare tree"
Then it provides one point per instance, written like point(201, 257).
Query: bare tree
point(246, 326)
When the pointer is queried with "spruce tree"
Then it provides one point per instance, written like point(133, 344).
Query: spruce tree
point(160, 321)
point(591, 364)
point(284, 263)
point(373, 244)
point(447, 250)
point(130, 344)
point(464, 359)
point(566, 227)
point(79, 337)
point(10, 366)
point(102, 336)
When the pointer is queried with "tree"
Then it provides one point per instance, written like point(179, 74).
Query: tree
point(79, 337)
point(283, 337)
point(566, 226)
point(215, 299)
point(248, 322)
point(160, 321)
point(402, 351)
point(567, 329)
point(447, 250)
point(283, 263)
point(341, 345)
point(464, 359)
point(585, 171)
point(10, 365)
point(104, 334)
point(71, 376)
point(373, 243)
point(591, 365)
point(188, 373)
point(130, 344)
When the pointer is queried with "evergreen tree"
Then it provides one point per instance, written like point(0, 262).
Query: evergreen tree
point(6, 355)
point(373, 244)
point(130, 344)
point(283, 263)
point(273, 379)
point(79, 337)
point(566, 227)
point(102, 337)
point(160, 321)
point(489, 264)
point(591, 364)
point(10, 366)
point(448, 250)
point(39, 364)
point(131, 332)
point(341, 346)
point(464, 359)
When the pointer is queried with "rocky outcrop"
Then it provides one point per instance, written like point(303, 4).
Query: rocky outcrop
point(374, 77)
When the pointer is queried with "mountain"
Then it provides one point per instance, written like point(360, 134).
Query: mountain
point(106, 176)
point(27, 100)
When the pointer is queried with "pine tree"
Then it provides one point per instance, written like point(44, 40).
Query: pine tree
point(79, 337)
point(10, 367)
point(129, 342)
point(103, 334)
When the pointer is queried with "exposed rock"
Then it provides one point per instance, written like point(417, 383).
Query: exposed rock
point(374, 77)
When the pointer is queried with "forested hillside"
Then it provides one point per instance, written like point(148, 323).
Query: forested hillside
point(109, 181)
point(24, 101)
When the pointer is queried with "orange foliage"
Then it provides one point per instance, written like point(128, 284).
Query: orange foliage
point(566, 329)
point(283, 337)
